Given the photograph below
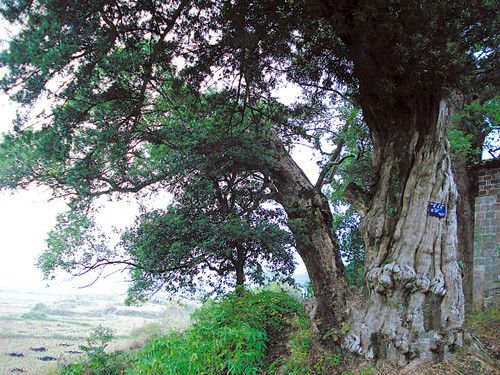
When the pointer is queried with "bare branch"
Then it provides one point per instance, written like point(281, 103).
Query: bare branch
point(334, 159)
point(323, 88)
point(148, 70)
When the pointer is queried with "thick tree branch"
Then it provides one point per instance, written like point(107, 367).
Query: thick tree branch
point(323, 88)
point(148, 69)
point(329, 165)
point(358, 197)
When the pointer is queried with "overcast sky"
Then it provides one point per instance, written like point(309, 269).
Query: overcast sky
point(26, 216)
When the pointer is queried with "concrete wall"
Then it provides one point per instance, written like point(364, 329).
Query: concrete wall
point(486, 279)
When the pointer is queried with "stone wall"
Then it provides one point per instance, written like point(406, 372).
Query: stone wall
point(486, 279)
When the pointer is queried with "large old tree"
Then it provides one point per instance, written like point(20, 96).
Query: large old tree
point(123, 77)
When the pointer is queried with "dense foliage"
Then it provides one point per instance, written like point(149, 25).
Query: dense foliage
point(352, 167)
point(476, 129)
point(351, 246)
point(221, 220)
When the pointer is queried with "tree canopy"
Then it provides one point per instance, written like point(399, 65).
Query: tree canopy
point(216, 235)
point(125, 73)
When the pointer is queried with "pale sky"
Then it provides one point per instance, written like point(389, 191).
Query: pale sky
point(26, 216)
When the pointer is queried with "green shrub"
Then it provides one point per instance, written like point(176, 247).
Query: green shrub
point(37, 312)
point(44, 309)
point(40, 307)
point(98, 362)
point(303, 356)
point(147, 331)
point(228, 337)
point(114, 363)
point(34, 315)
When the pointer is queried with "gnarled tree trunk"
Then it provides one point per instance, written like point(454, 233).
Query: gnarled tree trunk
point(310, 220)
point(415, 309)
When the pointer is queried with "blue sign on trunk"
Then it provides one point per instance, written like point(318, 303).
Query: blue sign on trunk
point(437, 209)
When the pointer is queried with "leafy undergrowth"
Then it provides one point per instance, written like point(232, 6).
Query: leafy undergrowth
point(228, 337)
point(303, 354)
point(268, 332)
point(265, 331)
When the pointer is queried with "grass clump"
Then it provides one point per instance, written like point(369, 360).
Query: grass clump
point(484, 322)
point(485, 325)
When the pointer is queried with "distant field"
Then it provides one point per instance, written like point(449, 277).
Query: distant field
point(39, 331)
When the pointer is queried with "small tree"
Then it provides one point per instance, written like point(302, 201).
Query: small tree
point(217, 233)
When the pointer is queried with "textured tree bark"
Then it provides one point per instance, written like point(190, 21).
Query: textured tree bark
point(415, 308)
point(310, 221)
point(466, 185)
point(239, 265)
